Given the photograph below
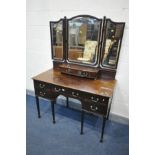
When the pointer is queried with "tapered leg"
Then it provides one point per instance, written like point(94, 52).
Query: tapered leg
point(103, 126)
point(53, 111)
point(38, 107)
point(109, 108)
point(108, 112)
point(82, 120)
point(67, 105)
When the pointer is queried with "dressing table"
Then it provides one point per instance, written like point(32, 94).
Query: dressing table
point(85, 52)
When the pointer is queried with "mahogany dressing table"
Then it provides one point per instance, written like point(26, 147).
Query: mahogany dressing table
point(85, 52)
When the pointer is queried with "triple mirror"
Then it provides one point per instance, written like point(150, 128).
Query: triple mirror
point(87, 40)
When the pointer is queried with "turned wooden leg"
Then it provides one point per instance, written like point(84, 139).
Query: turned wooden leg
point(38, 107)
point(82, 121)
point(103, 126)
point(108, 112)
point(67, 104)
point(53, 111)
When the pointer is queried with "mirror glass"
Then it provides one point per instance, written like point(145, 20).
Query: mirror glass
point(113, 39)
point(57, 39)
point(83, 36)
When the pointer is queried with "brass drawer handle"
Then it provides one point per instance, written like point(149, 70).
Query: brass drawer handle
point(57, 89)
point(93, 108)
point(94, 99)
point(42, 94)
point(84, 73)
point(41, 85)
point(63, 89)
point(75, 94)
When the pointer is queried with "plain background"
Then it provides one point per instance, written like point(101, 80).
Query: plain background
point(38, 48)
point(13, 77)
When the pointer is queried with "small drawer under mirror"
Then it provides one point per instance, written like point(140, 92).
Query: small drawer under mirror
point(80, 71)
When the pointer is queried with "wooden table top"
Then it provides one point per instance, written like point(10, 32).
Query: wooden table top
point(98, 87)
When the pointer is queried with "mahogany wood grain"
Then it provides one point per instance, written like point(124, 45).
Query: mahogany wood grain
point(99, 86)
point(80, 71)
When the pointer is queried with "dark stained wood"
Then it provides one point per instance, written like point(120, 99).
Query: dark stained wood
point(107, 74)
point(98, 87)
point(80, 71)
point(95, 108)
point(93, 94)
point(102, 74)
point(44, 90)
point(92, 84)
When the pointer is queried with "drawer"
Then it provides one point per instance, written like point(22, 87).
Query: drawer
point(43, 89)
point(97, 99)
point(79, 71)
point(95, 108)
point(41, 85)
point(58, 89)
point(66, 91)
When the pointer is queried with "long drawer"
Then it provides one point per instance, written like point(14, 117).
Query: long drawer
point(67, 91)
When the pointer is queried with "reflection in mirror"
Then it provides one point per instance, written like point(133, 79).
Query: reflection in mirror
point(113, 39)
point(57, 40)
point(83, 34)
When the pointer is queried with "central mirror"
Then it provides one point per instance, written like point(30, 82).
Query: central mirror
point(83, 39)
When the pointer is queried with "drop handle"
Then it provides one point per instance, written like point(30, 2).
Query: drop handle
point(94, 99)
point(42, 94)
point(41, 85)
point(93, 108)
point(63, 89)
point(84, 73)
point(75, 94)
point(57, 89)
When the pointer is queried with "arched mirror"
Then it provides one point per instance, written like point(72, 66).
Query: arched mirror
point(57, 39)
point(112, 42)
point(83, 39)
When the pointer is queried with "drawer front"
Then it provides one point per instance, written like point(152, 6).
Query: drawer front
point(66, 91)
point(80, 73)
point(58, 89)
point(92, 98)
point(95, 107)
point(42, 89)
point(90, 102)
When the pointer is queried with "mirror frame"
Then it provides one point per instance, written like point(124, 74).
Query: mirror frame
point(104, 70)
point(103, 44)
point(96, 63)
point(63, 40)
